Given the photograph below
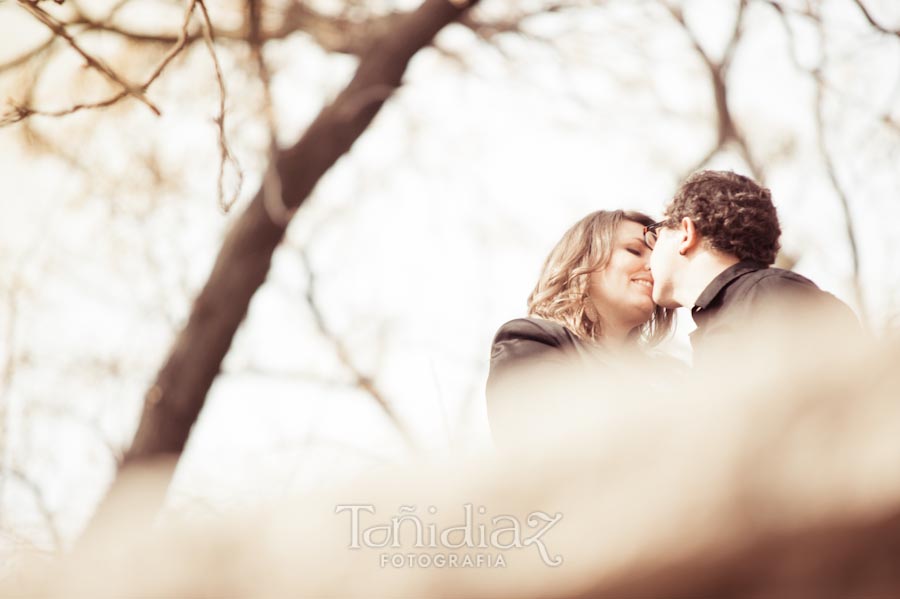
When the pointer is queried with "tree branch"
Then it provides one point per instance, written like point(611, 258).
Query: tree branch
point(225, 154)
point(362, 381)
point(873, 22)
point(40, 503)
point(19, 113)
point(59, 30)
point(844, 201)
point(23, 58)
point(726, 129)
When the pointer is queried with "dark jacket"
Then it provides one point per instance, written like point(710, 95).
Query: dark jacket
point(523, 339)
point(525, 354)
point(747, 292)
point(540, 368)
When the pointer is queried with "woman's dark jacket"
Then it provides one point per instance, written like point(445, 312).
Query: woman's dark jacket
point(527, 353)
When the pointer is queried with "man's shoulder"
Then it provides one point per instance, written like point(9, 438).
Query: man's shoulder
point(774, 277)
point(787, 288)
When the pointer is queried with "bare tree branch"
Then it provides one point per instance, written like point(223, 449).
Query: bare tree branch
point(225, 155)
point(873, 22)
point(489, 30)
point(362, 381)
point(59, 30)
point(843, 199)
point(789, 32)
point(91, 423)
point(41, 504)
point(271, 184)
point(821, 127)
point(726, 129)
point(335, 33)
point(8, 374)
point(339, 33)
point(21, 112)
point(30, 54)
point(289, 375)
point(176, 398)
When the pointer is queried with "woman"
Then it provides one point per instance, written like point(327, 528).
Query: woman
point(594, 297)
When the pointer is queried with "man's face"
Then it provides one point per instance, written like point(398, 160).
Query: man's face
point(664, 266)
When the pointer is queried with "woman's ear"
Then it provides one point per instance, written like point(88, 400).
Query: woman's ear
point(590, 310)
point(689, 236)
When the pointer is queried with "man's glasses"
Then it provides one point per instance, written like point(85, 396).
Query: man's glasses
point(651, 233)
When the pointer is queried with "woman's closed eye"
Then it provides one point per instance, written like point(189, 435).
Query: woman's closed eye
point(637, 253)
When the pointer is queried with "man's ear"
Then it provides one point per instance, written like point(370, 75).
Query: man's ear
point(690, 238)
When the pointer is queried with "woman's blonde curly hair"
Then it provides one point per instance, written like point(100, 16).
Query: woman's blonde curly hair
point(561, 293)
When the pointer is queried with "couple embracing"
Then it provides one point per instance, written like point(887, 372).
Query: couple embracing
point(612, 282)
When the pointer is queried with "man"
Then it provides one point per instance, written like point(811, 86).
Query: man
point(713, 253)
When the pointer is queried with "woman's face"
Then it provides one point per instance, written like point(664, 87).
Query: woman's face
point(622, 291)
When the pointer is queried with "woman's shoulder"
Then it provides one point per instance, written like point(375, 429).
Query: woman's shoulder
point(527, 341)
point(533, 329)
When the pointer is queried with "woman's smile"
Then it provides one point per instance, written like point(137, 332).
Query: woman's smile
point(644, 283)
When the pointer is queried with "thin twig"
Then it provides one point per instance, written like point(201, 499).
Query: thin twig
point(41, 504)
point(225, 154)
point(736, 33)
point(21, 112)
point(873, 22)
point(60, 30)
point(884, 118)
point(179, 45)
point(841, 194)
point(831, 171)
point(273, 202)
point(8, 374)
point(23, 58)
point(727, 130)
point(363, 381)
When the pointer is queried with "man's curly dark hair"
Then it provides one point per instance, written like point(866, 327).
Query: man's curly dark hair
point(733, 213)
